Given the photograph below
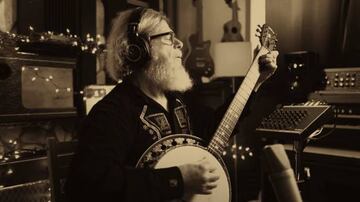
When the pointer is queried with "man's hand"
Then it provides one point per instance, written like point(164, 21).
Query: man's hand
point(199, 177)
point(267, 65)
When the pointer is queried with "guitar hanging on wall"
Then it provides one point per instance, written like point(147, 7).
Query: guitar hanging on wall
point(198, 61)
point(232, 28)
point(179, 149)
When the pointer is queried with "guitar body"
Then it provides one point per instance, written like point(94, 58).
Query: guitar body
point(232, 28)
point(232, 31)
point(198, 60)
point(181, 149)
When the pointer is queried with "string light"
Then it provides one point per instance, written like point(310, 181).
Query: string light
point(9, 171)
point(9, 41)
point(49, 79)
point(242, 152)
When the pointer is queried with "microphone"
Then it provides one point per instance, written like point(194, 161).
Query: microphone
point(281, 175)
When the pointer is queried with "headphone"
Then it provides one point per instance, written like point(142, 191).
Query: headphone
point(138, 50)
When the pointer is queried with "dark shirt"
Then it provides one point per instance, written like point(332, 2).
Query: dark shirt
point(115, 134)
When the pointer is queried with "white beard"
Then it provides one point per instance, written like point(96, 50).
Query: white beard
point(168, 76)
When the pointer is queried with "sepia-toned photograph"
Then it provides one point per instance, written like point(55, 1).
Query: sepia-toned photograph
point(179, 100)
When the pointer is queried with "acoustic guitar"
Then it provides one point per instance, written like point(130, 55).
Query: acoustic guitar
point(232, 28)
point(198, 60)
point(179, 149)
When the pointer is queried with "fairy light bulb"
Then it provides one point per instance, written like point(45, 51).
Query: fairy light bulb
point(68, 89)
point(10, 171)
point(57, 90)
point(224, 153)
point(33, 79)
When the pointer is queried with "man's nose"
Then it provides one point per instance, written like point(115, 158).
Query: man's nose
point(177, 43)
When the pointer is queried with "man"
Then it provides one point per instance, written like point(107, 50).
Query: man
point(143, 52)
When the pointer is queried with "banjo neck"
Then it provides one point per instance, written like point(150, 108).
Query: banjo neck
point(222, 135)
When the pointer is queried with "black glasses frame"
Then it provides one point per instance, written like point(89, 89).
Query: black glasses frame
point(172, 36)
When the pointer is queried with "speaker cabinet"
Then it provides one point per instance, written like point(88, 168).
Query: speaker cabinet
point(34, 87)
point(303, 74)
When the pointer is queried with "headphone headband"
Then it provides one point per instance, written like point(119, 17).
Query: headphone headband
point(134, 20)
point(138, 50)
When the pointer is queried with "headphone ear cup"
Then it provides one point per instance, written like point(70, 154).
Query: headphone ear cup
point(133, 52)
point(145, 46)
point(138, 50)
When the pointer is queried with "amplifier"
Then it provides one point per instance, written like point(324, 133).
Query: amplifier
point(24, 179)
point(340, 86)
point(94, 93)
point(342, 79)
point(38, 191)
point(36, 87)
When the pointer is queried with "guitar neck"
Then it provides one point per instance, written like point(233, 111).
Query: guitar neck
point(235, 8)
point(199, 20)
point(222, 135)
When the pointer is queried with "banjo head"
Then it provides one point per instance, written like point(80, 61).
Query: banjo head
point(177, 150)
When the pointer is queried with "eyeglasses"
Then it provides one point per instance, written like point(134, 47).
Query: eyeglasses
point(171, 34)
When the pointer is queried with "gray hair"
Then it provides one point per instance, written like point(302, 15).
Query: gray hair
point(117, 42)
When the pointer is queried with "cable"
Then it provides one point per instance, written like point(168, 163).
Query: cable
point(314, 135)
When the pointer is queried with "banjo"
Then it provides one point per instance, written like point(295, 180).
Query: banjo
point(179, 149)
